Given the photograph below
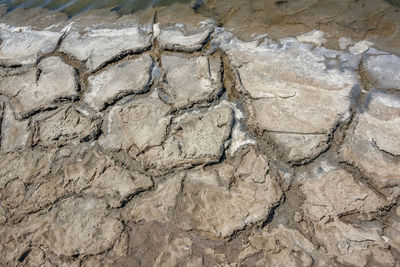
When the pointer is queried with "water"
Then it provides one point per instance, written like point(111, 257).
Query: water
point(74, 7)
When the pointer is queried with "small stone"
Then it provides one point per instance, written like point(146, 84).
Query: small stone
point(360, 47)
point(344, 42)
point(315, 37)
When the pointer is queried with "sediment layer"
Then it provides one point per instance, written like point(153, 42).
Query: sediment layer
point(181, 145)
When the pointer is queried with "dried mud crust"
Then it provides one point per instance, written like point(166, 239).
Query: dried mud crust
point(190, 147)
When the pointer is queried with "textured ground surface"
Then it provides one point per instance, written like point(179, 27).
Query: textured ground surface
point(168, 144)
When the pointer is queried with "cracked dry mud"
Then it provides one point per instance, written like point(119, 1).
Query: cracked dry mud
point(165, 144)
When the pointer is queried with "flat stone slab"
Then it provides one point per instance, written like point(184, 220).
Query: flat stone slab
point(374, 145)
point(15, 134)
point(353, 245)
point(158, 207)
point(191, 80)
point(292, 93)
point(21, 46)
point(175, 37)
point(335, 193)
point(132, 76)
point(137, 125)
point(116, 191)
point(276, 248)
point(98, 47)
point(65, 125)
point(214, 207)
point(80, 226)
point(195, 138)
point(42, 87)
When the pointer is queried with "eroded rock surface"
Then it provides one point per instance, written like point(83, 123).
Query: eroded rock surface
point(21, 46)
point(195, 138)
point(373, 145)
point(191, 80)
point(179, 38)
point(125, 78)
point(85, 47)
point(280, 104)
point(42, 87)
point(224, 200)
point(137, 125)
point(181, 145)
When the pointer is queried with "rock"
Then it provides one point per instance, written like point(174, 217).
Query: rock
point(64, 126)
point(281, 247)
point(215, 206)
point(180, 39)
point(204, 151)
point(344, 42)
point(305, 103)
point(133, 76)
point(137, 125)
point(159, 205)
point(300, 146)
point(374, 143)
point(80, 226)
point(21, 46)
point(195, 138)
point(41, 88)
point(191, 80)
point(315, 37)
point(353, 246)
point(240, 137)
point(98, 47)
point(384, 71)
point(73, 176)
point(255, 165)
point(335, 193)
point(392, 233)
point(14, 134)
point(94, 175)
point(360, 47)
point(117, 185)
